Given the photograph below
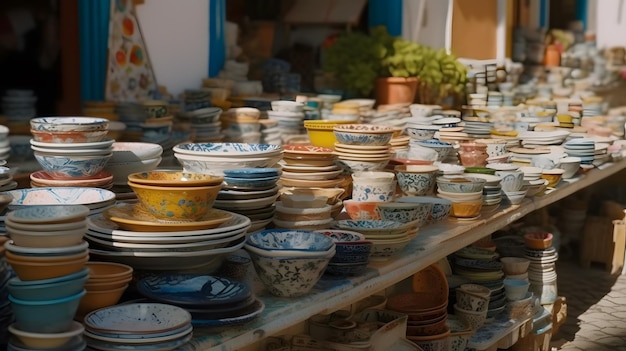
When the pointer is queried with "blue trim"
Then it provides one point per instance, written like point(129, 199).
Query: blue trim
point(544, 8)
point(93, 33)
point(217, 41)
point(387, 13)
point(581, 12)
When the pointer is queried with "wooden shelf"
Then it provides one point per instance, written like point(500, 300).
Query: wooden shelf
point(430, 245)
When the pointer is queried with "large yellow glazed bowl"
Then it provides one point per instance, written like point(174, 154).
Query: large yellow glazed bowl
point(321, 131)
point(186, 203)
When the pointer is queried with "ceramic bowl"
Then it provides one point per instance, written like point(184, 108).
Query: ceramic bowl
point(538, 240)
point(321, 133)
point(69, 137)
point(460, 333)
point(175, 202)
point(416, 180)
point(514, 265)
point(174, 178)
point(137, 318)
point(303, 201)
point(361, 209)
point(287, 106)
point(48, 289)
point(570, 165)
point(264, 182)
point(373, 227)
point(289, 276)
point(458, 197)
point(46, 341)
point(97, 299)
point(69, 124)
point(126, 152)
point(471, 302)
point(371, 186)
point(515, 289)
point(461, 184)
point(108, 271)
point(216, 165)
point(47, 239)
point(227, 150)
point(363, 134)
point(474, 319)
point(290, 240)
point(442, 148)
point(72, 215)
point(121, 170)
point(288, 213)
point(31, 270)
point(361, 165)
point(59, 313)
point(421, 132)
point(441, 208)
point(466, 209)
point(515, 197)
point(553, 176)
point(71, 167)
point(405, 212)
point(385, 249)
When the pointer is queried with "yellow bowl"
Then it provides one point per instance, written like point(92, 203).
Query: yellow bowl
point(176, 203)
point(321, 131)
point(175, 178)
point(553, 176)
point(466, 209)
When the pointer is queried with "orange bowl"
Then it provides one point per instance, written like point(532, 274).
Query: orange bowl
point(538, 240)
point(36, 271)
point(361, 210)
point(94, 300)
point(466, 209)
point(101, 272)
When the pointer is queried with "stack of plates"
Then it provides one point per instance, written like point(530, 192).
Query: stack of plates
point(400, 146)
point(601, 155)
point(289, 123)
point(270, 133)
point(542, 273)
point(543, 138)
point(19, 105)
point(164, 245)
point(313, 174)
point(205, 123)
point(582, 148)
point(477, 100)
point(138, 326)
point(363, 157)
point(476, 129)
point(494, 99)
point(212, 301)
point(387, 237)
point(251, 192)
point(592, 107)
point(5, 144)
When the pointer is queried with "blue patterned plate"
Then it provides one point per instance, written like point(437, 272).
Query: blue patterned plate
point(193, 289)
point(90, 197)
point(259, 306)
point(252, 172)
point(227, 149)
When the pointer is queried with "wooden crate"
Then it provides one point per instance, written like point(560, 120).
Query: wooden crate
point(604, 241)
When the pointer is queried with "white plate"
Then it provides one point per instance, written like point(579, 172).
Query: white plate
point(112, 242)
point(312, 175)
point(245, 204)
point(80, 146)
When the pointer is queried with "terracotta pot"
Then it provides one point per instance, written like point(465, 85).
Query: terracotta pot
point(395, 90)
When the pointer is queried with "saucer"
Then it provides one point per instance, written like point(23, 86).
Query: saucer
point(135, 217)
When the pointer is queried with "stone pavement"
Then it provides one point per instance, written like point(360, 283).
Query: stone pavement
point(596, 309)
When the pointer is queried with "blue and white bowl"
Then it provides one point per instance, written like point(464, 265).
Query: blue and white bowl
point(441, 208)
point(72, 167)
point(251, 182)
point(416, 179)
point(405, 212)
point(363, 134)
point(421, 132)
point(460, 184)
point(442, 148)
point(252, 173)
point(217, 165)
point(372, 227)
point(291, 240)
point(69, 124)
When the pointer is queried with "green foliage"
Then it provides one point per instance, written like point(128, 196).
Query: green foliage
point(357, 59)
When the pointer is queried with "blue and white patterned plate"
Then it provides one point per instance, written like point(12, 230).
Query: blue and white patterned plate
point(259, 306)
point(90, 197)
point(48, 214)
point(227, 149)
point(286, 239)
point(136, 318)
point(193, 290)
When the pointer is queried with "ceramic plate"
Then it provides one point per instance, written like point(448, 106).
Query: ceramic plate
point(156, 239)
point(136, 318)
point(476, 253)
point(95, 145)
point(252, 172)
point(525, 151)
point(140, 338)
point(328, 183)
point(363, 147)
point(368, 156)
point(48, 214)
point(101, 178)
point(135, 218)
point(307, 150)
point(90, 197)
point(195, 290)
point(164, 346)
point(313, 175)
point(302, 169)
point(101, 240)
point(374, 227)
point(100, 224)
point(246, 204)
point(258, 307)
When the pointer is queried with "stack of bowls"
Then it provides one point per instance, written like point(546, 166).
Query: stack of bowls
point(515, 267)
point(6, 180)
point(5, 307)
point(352, 252)
point(362, 147)
point(321, 133)
point(106, 284)
point(48, 255)
point(211, 300)
point(142, 326)
point(442, 149)
point(302, 212)
point(542, 269)
point(214, 158)
point(205, 123)
point(251, 192)
point(5, 143)
point(472, 302)
point(241, 125)
point(582, 148)
point(388, 237)
point(289, 115)
point(157, 127)
point(512, 181)
point(492, 191)
point(289, 262)
point(297, 173)
point(333, 196)
point(270, 133)
point(132, 157)
point(69, 129)
point(95, 199)
point(466, 194)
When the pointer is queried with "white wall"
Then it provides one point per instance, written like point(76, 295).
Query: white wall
point(610, 24)
point(177, 37)
point(432, 30)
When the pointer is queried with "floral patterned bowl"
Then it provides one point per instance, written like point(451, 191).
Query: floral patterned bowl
point(461, 184)
point(348, 242)
point(290, 240)
point(363, 134)
point(372, 227)
point(66, 166)
point(227, 149)
point(69, 124)
point(441, 208)
point(416, 179)
point(405, 212)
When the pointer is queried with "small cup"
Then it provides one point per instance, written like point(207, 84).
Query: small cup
point(515, 289)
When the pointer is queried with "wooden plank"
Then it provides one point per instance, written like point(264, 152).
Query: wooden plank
point(474, 24)
point(325, 12)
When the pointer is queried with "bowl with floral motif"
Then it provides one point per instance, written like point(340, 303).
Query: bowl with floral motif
point(228, 150)
point(405, 212)
point(441, 208)
point(416, 179)
point(460, 184)
point(290, 240)
point(363, 134)
point(72, 167)
point(441, 147)
point(69, 124)
point(372, 227)
point(348, 242)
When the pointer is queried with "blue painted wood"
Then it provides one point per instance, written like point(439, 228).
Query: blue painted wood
point(387, 13)
point(544, 8)
point(581, 12)
point(217, 40)
point(93, 24)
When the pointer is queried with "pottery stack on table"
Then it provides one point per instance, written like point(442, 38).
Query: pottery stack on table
point(466, 194)
point(302, 212)
point(95, 199)
point(289, 262)
point(212, 301)
point(5, 144)
point(48, 254)
point(479, 266)
point(19, 105)
point(363, 147)
point(512, 181)
point(333, 196)
point(157, 127)
point(472, 302)
point(542, 269)
point(310, 166)
point(204, 123)
point(72, 151)
point(492, 191)
point(214, 158)
point(352, 252)
point(251, 192)
point(241, 125)
point(138, 326)
point(105, 286)
point(388, 237)
point(290, 117)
